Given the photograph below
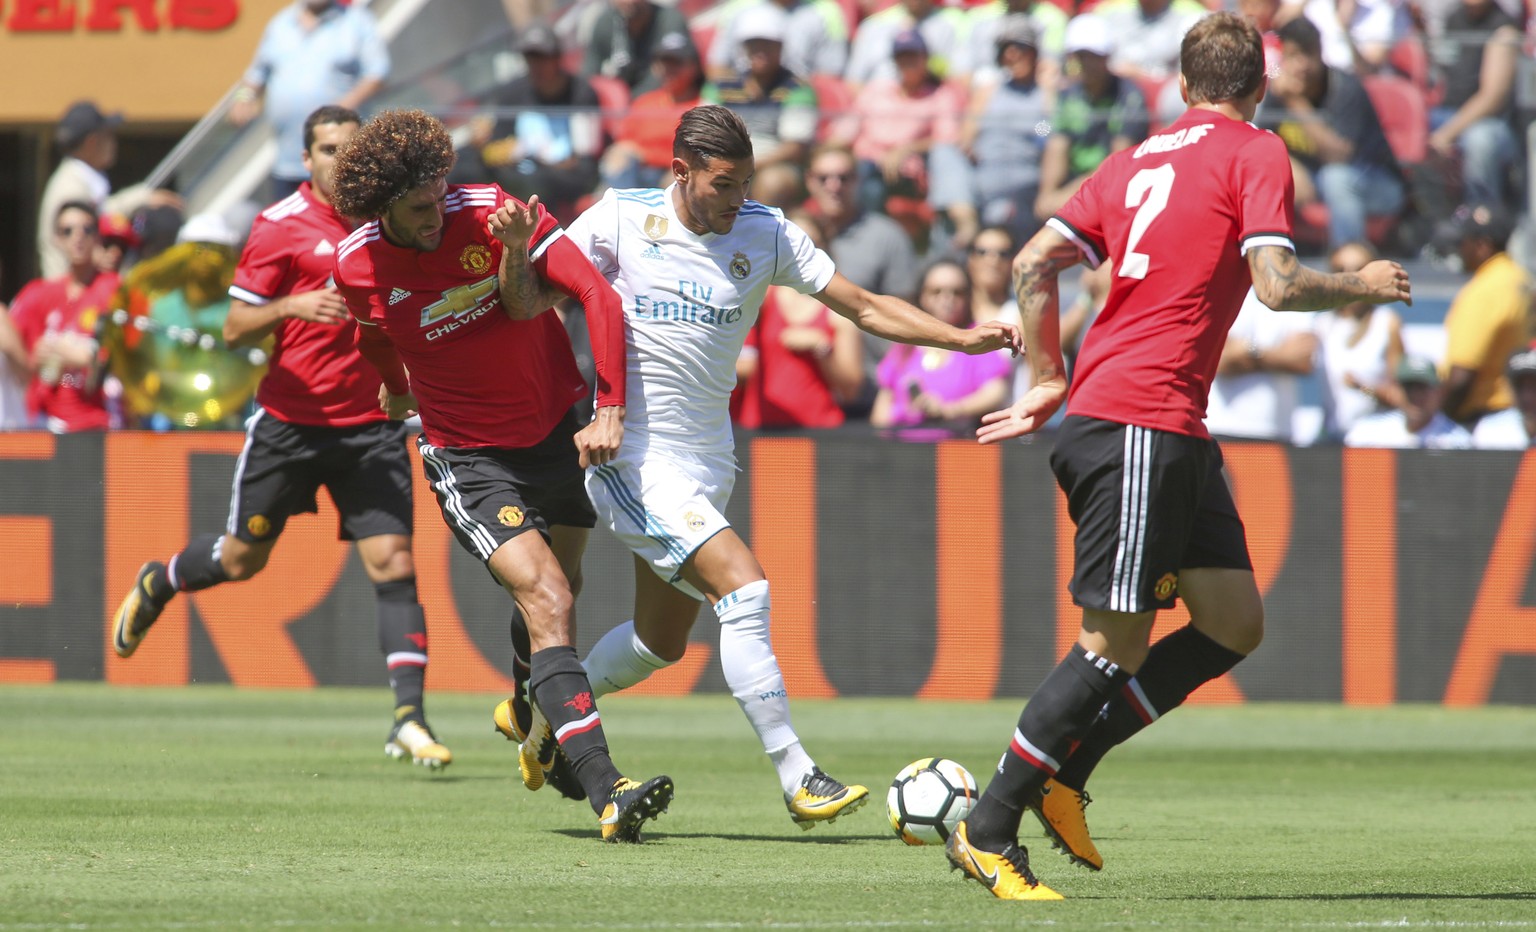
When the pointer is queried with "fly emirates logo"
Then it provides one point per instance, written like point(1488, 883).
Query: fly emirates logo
point(460, 306)
point(690, 305)
point(1167, 142)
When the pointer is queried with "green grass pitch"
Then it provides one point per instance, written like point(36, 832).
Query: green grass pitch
point(209, 807)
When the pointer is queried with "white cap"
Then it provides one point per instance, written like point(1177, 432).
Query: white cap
point(1089, 33)
point(766, 20)
point(208, 228)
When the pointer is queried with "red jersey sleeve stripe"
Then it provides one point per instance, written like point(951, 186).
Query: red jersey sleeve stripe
point(544, 242)
point(362, 236)
point(249, 297)
point(1091, 250)
point(1282, 240)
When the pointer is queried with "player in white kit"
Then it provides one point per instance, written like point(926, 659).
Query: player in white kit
point(691, 264)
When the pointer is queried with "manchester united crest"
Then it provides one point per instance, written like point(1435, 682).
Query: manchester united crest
point(655, 226)
point(741, 266)
point(1166, 586)
point(511, 516)
point(475, 258)
point(259, 526)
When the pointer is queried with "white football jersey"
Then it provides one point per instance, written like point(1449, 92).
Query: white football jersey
point(689, 302)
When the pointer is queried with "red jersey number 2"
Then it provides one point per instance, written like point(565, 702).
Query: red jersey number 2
point(1148, 192)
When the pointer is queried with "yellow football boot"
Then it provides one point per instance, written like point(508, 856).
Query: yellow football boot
point(1005, 873)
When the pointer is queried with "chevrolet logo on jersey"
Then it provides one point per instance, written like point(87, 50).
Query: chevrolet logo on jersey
point(457, 302)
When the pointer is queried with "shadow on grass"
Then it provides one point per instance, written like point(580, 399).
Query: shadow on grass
point(807, 839)
point(1338, 897)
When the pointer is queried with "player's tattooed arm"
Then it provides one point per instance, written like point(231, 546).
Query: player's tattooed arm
point(524, 295)
point(1035, 272)
point(1284, 284)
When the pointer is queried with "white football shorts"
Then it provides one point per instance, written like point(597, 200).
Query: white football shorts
point(664, 504)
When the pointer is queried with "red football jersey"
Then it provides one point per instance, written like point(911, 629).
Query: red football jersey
point(75, 401)
point(316, 376)
point(481, 378)
point(1176, 216)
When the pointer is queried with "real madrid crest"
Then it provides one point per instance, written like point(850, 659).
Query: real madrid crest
point(655, 226)
point(694, 520)
point(741, 266)
point(475, 258)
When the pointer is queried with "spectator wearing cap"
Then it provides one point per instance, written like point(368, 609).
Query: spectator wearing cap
point(545, 134)
point(1418, 424)
point(906, 135)
point(312, 53)
point(641, 153)
point(815, 40)
point(204, 258)
point(777, 106)
point(944, 30)
point(57, 319)
point(88, 139)
point(1514, 428)
point(1339, 154)
point(117, 240)
point(1005, 131)
point(1097, 114)
point(985, 21)
point(623, 41)
point(1490, 316)
point(1480, 55)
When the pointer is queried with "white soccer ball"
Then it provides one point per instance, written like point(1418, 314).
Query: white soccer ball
point(928, 799)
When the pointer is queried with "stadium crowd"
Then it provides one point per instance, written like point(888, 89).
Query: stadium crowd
point(920, 143)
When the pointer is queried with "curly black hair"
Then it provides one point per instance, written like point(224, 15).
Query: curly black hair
point(393, 153)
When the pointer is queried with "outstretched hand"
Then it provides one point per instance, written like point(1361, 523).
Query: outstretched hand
point(990, 336)
point(1027, 415)
point(1388, 282)
point(513, 223)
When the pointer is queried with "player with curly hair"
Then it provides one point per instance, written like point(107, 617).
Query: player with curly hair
point(439, 278)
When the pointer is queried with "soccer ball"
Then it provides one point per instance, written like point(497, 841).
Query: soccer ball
point(928, 799)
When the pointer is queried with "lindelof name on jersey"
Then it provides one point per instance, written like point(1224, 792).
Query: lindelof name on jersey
point(460, 306)
point(1167, 142)
point(690, 304)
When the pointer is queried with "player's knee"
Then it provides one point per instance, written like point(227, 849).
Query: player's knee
point(243, 563)
point(1240, 628)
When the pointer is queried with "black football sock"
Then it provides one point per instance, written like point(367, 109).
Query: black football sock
point(403, 639)
point(522, 649)
point(198, 566)
point(1056, 716)
point(559, 685)
point(1176, 666)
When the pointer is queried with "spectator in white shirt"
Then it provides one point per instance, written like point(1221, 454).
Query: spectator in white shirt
point(1419, 423)
point(1258, 380)
point(1513, 428)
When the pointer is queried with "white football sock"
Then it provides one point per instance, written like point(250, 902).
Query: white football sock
point(752, 672)
point(619, 660)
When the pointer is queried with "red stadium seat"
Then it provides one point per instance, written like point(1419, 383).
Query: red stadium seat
point(1403, 113)
point(834, 98)
point(1410, 59)
point(613, 97)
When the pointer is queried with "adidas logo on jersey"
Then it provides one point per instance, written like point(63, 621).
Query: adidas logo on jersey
point(652, 251)
point(398, 295)
point(325, 248)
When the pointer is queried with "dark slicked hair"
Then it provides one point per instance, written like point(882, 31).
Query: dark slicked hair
point(329, 115)
point(709, 132)
point(1222, 58)
point(391, 155)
